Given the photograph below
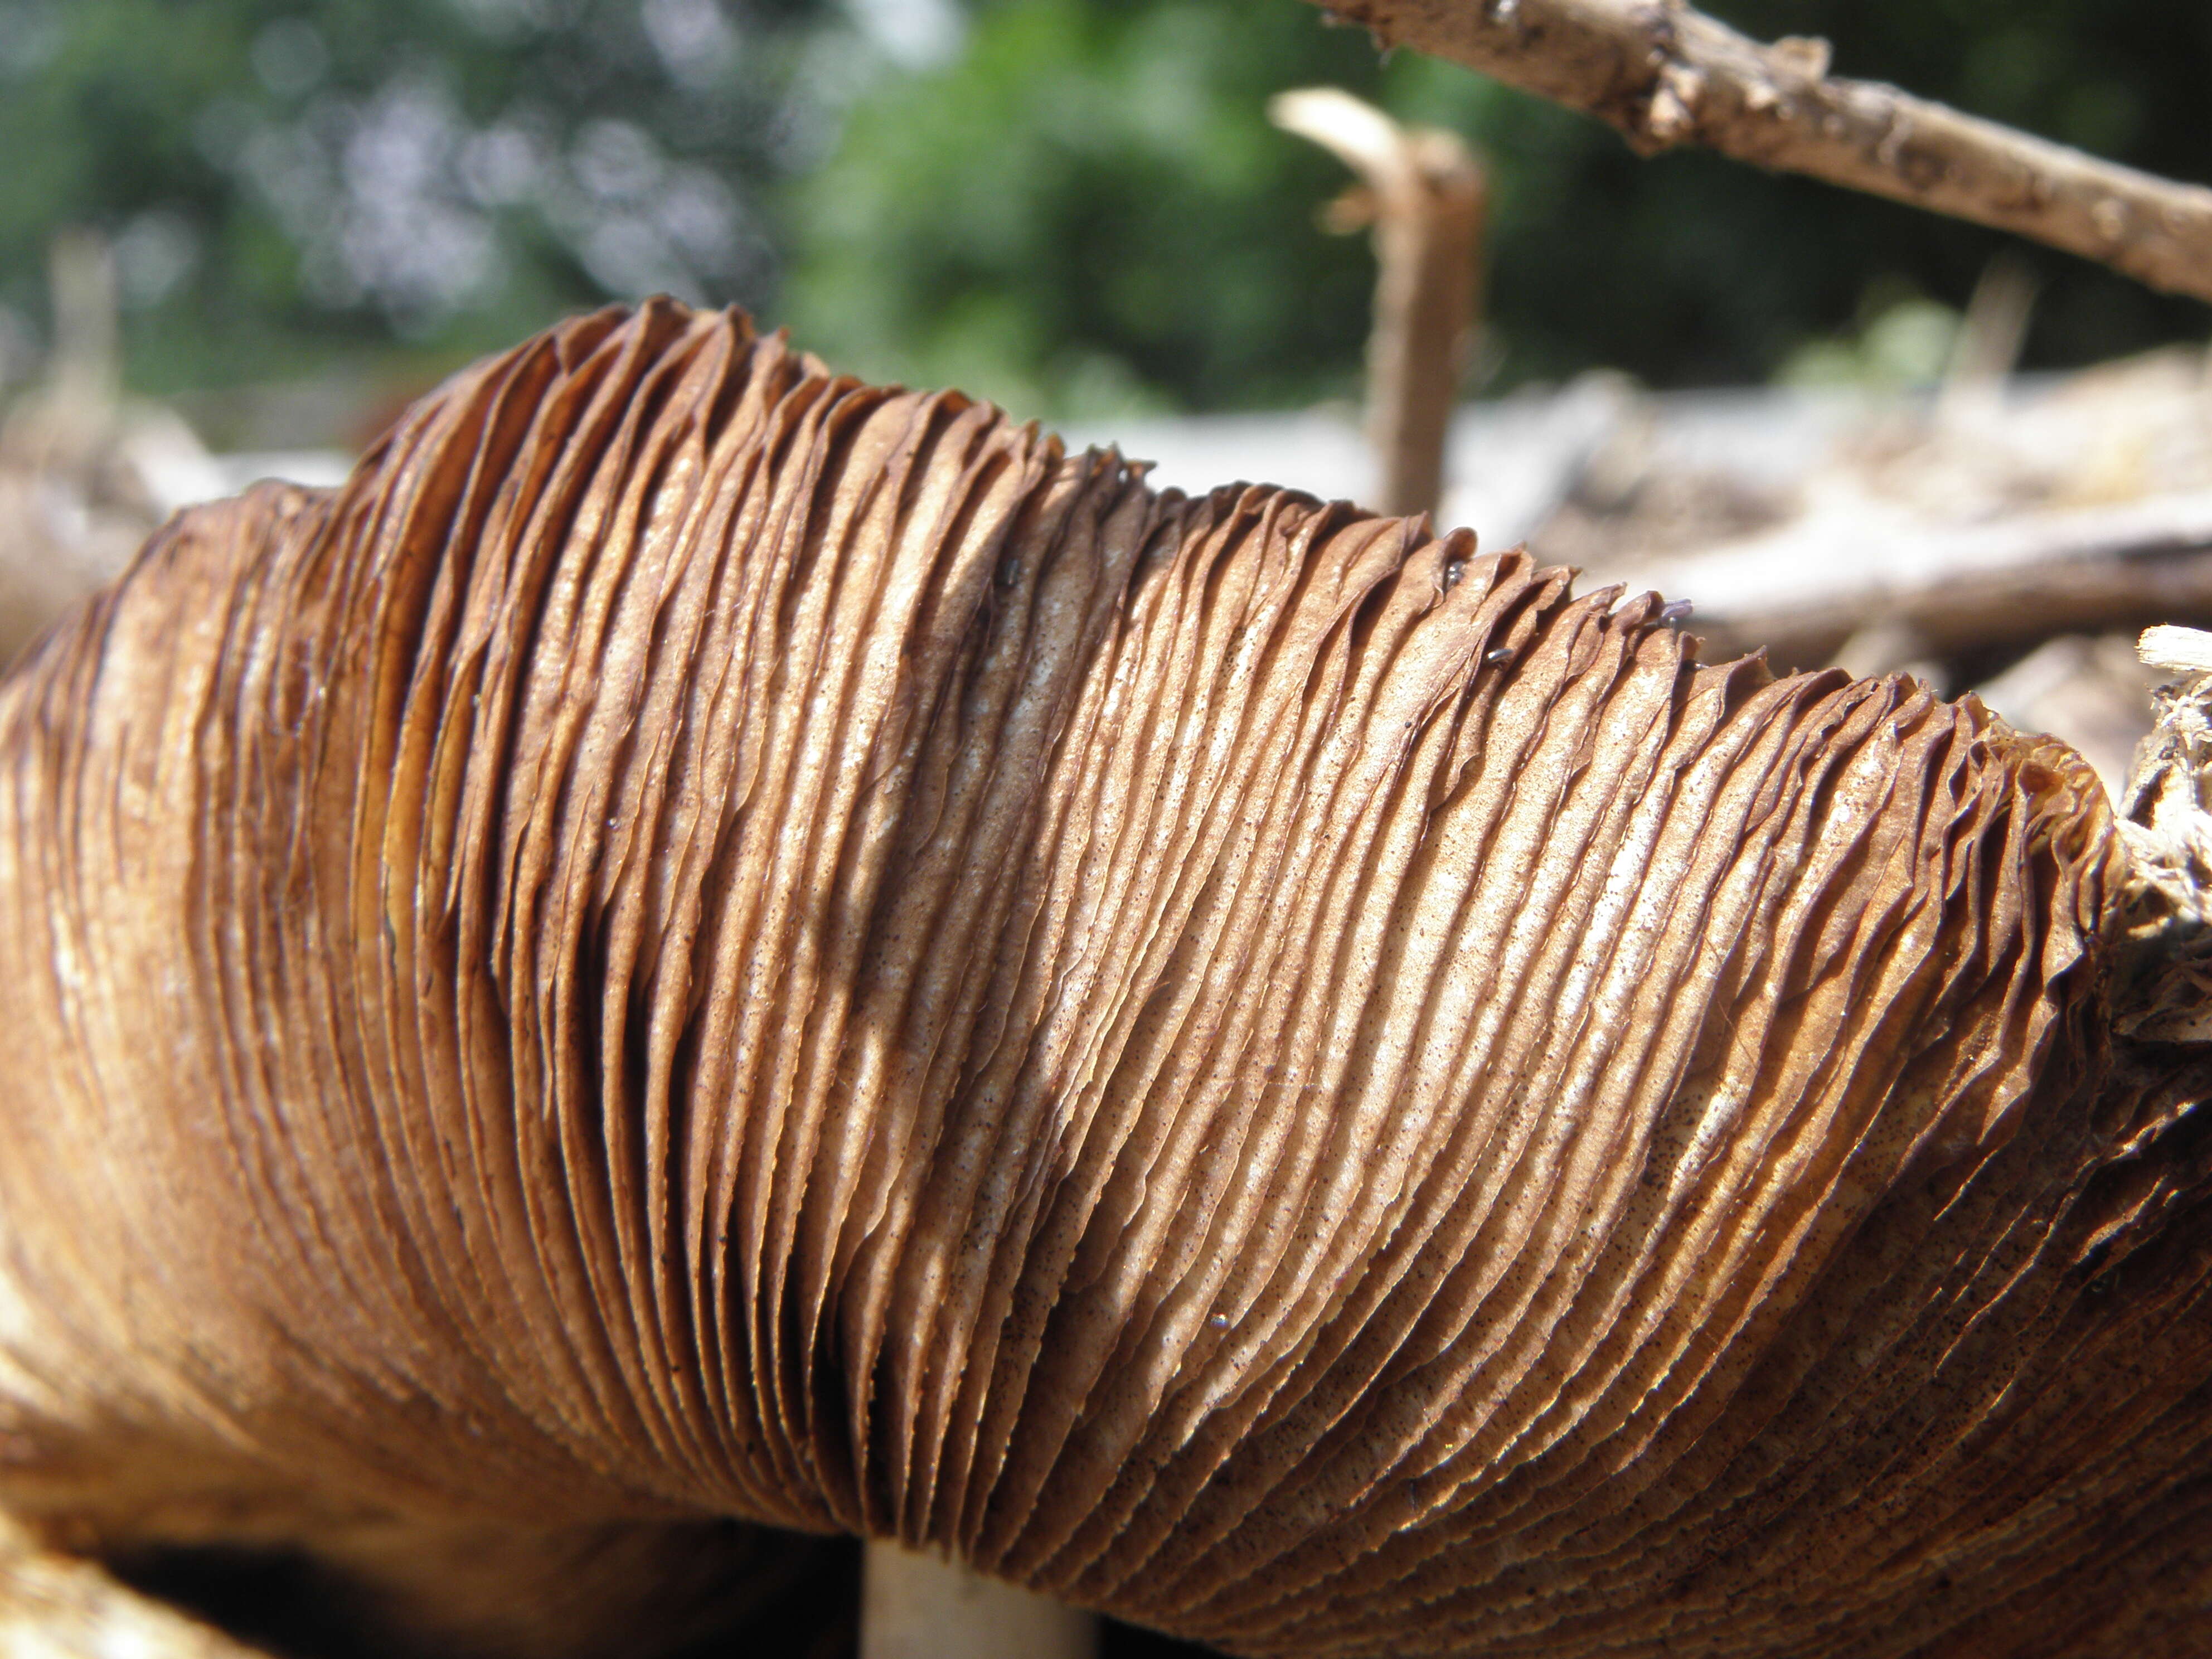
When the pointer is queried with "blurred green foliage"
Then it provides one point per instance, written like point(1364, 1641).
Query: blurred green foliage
point(1075, 206)
point(290, 184)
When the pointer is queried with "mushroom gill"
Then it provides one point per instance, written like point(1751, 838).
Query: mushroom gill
point(705, 941)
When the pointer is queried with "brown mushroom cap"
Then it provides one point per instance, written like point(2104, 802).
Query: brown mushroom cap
point(703, 939)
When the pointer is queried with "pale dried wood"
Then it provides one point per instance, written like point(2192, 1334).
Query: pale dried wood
point(1803, 591)
point(2178, 650)
point(1665, 75)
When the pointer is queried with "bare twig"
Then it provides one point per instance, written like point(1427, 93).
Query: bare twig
point(1666, 75)
point(1993, 330)
point(88, 365)
point(1425, 194)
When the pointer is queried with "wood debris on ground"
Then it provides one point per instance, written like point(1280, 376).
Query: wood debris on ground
point(2009, 537)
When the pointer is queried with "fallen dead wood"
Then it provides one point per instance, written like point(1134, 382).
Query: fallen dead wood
point(1424, 194)
point(1665, 74)
point(1803, 591)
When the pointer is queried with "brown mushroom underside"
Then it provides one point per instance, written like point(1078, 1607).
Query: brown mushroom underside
point(706, 940)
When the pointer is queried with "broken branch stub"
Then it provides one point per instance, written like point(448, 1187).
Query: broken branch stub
point(1665, 74)
point(1425, 194)
point(706, 943)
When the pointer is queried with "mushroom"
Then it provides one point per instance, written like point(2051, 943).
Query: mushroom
point(705, 950)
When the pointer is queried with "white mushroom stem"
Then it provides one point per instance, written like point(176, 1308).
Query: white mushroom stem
point(1666, 74)
point(914, 1606)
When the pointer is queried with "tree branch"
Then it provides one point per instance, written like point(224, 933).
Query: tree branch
point(1801, 591)
point(1666, 74)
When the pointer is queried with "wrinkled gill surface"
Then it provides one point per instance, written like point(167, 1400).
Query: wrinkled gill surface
point(705, 939)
